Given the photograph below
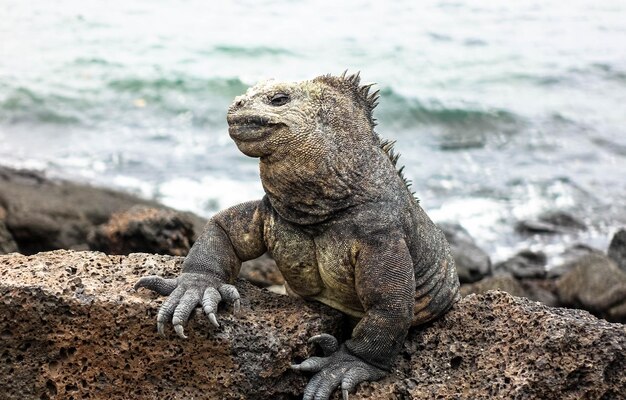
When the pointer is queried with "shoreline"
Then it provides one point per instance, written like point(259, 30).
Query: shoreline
point(40, 214)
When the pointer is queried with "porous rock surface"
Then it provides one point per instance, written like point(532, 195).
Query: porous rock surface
point(496, 346)
point(72, 327)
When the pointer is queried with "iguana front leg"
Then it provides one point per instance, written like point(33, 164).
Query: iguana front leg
point(230, 237)
point(385, 284)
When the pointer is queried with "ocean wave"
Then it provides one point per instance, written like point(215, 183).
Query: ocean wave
point(24, 105)
point(228, 87)
point(402, 111)
point(123, 101)
point(252, 52)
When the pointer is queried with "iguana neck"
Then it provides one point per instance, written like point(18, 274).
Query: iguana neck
point(310, 190)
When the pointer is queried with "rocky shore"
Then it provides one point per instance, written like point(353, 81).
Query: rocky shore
point(72, 327)
point(39, 214)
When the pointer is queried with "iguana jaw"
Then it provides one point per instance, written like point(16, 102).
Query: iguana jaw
point(250, 128)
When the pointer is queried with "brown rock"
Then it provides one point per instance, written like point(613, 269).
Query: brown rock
point(533, 289)
point(44, 214)
point(72, 327)
point(262, 272)
point(496, 346)
point(144, 230)
point(505, 283)
point(594, 283)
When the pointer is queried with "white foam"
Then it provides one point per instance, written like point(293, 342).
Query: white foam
point(207, 195)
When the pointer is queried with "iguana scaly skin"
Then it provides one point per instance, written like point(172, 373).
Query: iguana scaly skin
point(337, 217)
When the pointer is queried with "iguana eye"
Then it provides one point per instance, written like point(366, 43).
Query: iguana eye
point(279, 99)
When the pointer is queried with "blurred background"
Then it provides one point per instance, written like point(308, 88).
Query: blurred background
point(502, 111)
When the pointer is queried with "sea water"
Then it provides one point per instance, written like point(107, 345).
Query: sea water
point(501, 110)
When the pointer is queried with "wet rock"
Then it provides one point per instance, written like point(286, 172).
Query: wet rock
point(551, 223)
point(525, 264)
point(262, 272)
point(495, 346)
point(44, 214)
point(72, 327)
point(472, 262)
point(541, 290)
point(7, 244)
point(594, 283)
point(144, 230)
point(567, 259)
point(617, 249)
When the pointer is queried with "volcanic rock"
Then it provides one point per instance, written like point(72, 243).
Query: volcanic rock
point(44, 214)
point(72, 327)
point(594, 283)
point(144, 230)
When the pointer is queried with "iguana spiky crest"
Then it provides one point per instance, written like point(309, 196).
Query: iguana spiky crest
point(350, 85)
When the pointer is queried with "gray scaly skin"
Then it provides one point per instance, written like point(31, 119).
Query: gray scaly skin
point(337, 217)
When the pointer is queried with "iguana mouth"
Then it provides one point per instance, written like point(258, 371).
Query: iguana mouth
point(247, 128)
point(245, 120)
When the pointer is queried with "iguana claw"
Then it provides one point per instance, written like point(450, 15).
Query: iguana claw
point(180, 331)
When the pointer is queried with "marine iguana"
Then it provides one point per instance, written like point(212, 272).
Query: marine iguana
point(338, 218)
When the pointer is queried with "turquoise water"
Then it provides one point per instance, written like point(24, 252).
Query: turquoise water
point(500, 110)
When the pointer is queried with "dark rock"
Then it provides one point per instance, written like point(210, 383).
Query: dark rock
point(594, 283)
point(541, 290)
point(72, 327)
point(472, 262)
point(551, 223)
point(568, 258)
point(523, 265)
point(44, 214)
point(262, 272)
point(617, 249)
point(7, 244)
point(144, 230)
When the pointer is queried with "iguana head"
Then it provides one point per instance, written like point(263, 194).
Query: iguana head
point(293, 119)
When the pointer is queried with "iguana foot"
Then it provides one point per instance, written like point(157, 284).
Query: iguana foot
point(340, 369)
point(185, 293)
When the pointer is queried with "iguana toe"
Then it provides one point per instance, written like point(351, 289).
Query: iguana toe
point(328, 343)
point(160, 285)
